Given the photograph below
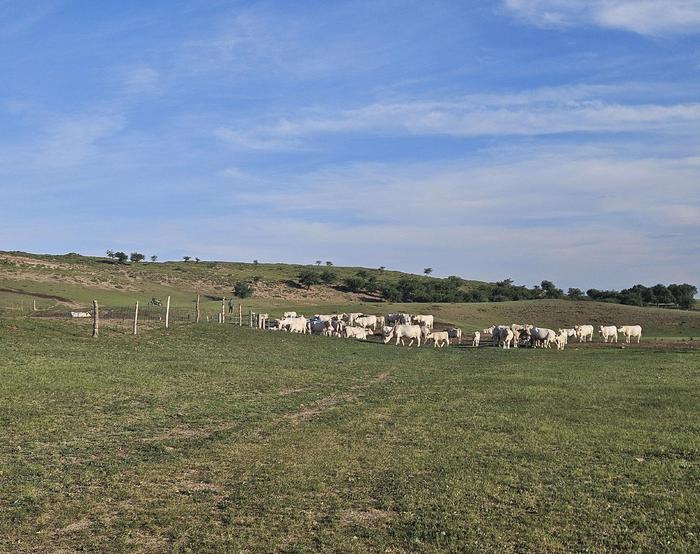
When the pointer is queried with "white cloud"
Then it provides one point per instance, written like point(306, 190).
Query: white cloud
point(141, 80)
point(537, 112)
point(582, 218)
point(18, 17)
point(646, 17)
point(70, 141)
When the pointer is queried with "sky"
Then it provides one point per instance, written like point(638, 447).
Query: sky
point(491, 139)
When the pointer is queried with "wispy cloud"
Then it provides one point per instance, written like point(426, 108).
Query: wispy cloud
point(645, 17)
point(141, 80)
point(18, 16)
point(70, 141)
point(529, 113)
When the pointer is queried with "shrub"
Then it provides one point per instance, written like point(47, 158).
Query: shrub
point(308, 278)
point(242, 289)
point(121, 257)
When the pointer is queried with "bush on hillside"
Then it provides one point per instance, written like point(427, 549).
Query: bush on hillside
point(242, 289)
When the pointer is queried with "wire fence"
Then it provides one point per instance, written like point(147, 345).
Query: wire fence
point(142, 313)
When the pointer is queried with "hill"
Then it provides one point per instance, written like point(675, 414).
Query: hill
point(73, 281)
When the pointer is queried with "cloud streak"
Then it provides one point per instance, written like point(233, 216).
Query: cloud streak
point(645, 17)
point(530, 113)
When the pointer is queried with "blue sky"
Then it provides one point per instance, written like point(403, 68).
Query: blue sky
point(531, 139)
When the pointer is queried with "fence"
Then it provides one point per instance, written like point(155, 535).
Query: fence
point(148, 314)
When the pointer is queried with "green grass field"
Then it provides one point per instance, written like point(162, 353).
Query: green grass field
point(215, 438)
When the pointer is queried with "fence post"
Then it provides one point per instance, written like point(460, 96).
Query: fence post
point(196, 311)
point(34, 307)
point(251, 319)
point(136, 318)
point(240, 314)
point(95, 319)
point(167, 313)
point(223, 310)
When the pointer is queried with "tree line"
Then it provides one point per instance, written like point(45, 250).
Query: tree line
point(453, 289)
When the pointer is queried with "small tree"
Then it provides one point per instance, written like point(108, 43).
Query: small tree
point(550, 290)
point(110, 254)
point(328, 276)
point(309, 278)
point(354, 284)
point(318, 262)
point(136, 257)
point(154, 258)
point(574, 293)
point(242, 289)
point(428, 270)
point(255, 262)
point(121, 257)
point(382, 268)
point(187, 258)
point(197, 260)
point(329, 264)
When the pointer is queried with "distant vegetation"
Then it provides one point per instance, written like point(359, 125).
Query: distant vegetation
point(377, 284)
point(453, 289)
point(242, 289)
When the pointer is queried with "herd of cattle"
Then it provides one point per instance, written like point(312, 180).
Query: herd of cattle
point(539, 337)
point(402, 327)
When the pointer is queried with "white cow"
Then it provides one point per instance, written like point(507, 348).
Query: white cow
point(608, 332)
point(81, 314)
point(541, 337)
point(402, 332)
point(427, 320)
point(561, 339)
point(505, 337)
point(381, 321)
point(516, 337)
point(351, 317)
point(570, 333)
point(439, 338)
point(294, 324)
point(630, 331)
point(584, 333)
point(325, 317)
point(476, 339)
point(359, 333)
point(366, 321)
point(289, 314)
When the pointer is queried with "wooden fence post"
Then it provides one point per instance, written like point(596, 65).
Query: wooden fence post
point(34, 307)
point(223, 310)
point(196, 311)
point(240, 314)
point(136, 318)
point(167, 313)
point(95, 319)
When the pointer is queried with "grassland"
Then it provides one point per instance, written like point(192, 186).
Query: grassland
point(215, 438)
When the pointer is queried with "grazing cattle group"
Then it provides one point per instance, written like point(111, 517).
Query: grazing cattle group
point(408, 329)
point(539, 337)
point(401, 327)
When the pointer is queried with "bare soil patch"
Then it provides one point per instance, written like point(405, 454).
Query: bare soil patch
point(369, 517)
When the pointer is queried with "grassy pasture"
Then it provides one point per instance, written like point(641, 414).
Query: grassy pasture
point(215, 438)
